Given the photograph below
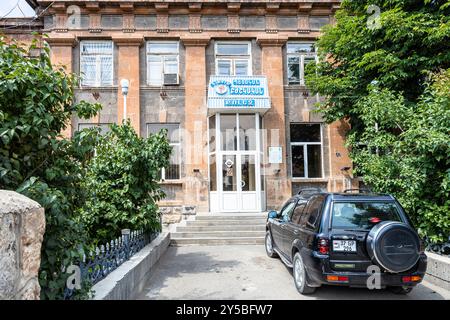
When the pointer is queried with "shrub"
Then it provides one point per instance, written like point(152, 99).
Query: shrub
point(36, 103)
point(122, 180)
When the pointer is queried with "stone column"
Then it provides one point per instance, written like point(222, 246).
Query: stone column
point(341, 176)
point(128, 60)
point(61, 56)
point(22, 226)
point(196, 113)
point(278, 187)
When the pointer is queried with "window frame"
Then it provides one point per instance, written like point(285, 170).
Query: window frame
point(306, 215)
point(233, 58)
point(162, 57)
point(305, 151)
point(288, 214)
point(163, 170)
point(301, 56)
point(299, 204)
point(98, 74)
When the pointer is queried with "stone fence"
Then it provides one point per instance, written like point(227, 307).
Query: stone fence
point(22, 226)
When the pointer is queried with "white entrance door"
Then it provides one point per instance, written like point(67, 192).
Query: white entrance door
point(239, 182)
point(236, 181)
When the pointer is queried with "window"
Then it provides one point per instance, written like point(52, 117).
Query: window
point(233, 59)
point(299, 54)
point(306, 150)
point(298, 211)
point(172, 172)
point(96, 63)
point(162, 58)
point(312, 212)
point(287, 211)
point(315, 23)
point(362, 215)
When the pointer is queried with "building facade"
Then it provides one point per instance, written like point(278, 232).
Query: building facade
point(226, 79)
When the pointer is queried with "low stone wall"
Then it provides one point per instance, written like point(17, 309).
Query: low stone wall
point(22, 226)
point(438, 270)
point(174, 214)
point(129, 279)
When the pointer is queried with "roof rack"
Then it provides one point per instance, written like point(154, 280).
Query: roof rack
point(309, 190)
point(365, 190)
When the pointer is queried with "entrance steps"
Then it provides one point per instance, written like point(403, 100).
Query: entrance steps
point(220, 229)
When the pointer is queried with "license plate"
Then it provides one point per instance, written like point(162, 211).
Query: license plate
point(344, 245)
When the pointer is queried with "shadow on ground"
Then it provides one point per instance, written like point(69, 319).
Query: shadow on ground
point(238, 272)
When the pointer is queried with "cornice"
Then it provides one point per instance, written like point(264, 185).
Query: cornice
point(271, 42)
point(195, 42)
point(128, 41)
point(62, 41)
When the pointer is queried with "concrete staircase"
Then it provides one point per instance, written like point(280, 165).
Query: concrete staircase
point(220, 229)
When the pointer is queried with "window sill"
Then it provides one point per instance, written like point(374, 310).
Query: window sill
point(309, 179)
point(169, 182)
point(98, 88)
point(296, 86)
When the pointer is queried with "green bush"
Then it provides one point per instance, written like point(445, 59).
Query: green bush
point(407, 154)
point(123, 182)
point(379, 79)
point(36, 103)
point(90, 186)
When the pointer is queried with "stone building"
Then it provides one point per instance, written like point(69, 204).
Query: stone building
point(226, 78)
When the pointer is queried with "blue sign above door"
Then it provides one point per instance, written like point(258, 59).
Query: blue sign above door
point(238, 93)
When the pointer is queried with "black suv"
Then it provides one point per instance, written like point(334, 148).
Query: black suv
point(346, 239)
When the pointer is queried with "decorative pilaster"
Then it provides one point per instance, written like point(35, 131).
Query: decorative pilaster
point(162, 17)
point(128, 60)
point(271, 23)
point(271, 17)
point(303, 23)
point(95, 22)
point(61, 56)
point(233, 17)
point(278, 184)
point(195, 23)
point(196, 161)
point(128, 23)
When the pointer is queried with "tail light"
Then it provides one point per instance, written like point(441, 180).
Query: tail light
point(337, 278)
point(323, 246)
point(407, 279)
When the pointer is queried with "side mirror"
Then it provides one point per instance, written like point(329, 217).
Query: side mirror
point(273, 214)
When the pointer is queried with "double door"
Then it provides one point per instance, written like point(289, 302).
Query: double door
point(238, 179)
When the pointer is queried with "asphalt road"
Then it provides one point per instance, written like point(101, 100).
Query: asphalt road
point(245, 272)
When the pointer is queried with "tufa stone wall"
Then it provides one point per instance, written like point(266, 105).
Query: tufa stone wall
point(22, 226)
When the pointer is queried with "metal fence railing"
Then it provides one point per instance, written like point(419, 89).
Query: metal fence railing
point(97, 264)
point(439, 248)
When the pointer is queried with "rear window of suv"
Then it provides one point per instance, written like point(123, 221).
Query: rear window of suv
point(362, 215)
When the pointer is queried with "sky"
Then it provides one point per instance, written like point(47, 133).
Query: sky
point(7, 5)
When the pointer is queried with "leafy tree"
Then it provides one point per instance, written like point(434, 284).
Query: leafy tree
point(36, 103)
point(380, 79)
point(90, 186)
point(123, 179)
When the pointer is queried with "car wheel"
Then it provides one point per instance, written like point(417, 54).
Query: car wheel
point(299, 272)
point(269, 246)
point(400, 290)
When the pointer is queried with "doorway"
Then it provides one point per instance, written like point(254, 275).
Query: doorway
point(236, 174)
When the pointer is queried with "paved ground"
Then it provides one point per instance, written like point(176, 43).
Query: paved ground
point(245, 272)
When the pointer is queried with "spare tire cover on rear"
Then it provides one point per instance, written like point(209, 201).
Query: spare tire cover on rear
point(393, 245)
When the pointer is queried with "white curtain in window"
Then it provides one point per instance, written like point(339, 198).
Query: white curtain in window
point(96, 63)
